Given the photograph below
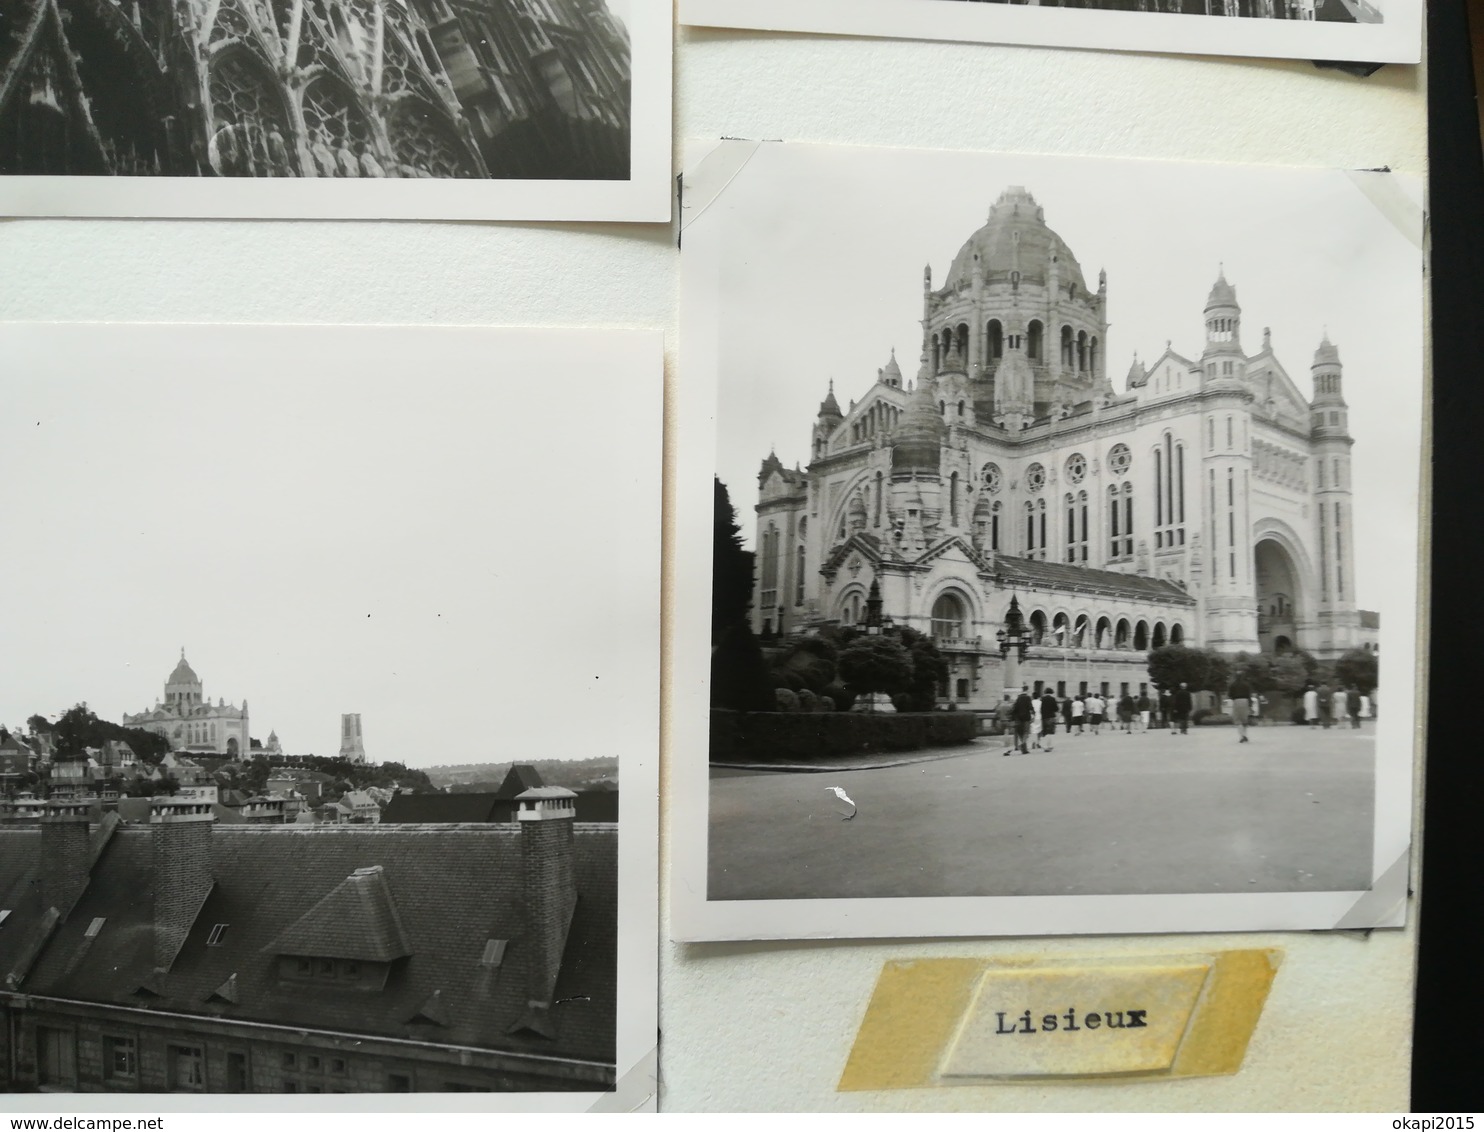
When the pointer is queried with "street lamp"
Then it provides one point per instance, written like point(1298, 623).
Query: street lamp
point(1014, 642)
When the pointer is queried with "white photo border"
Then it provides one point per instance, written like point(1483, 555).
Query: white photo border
point(1398, 39)
point(712, 168)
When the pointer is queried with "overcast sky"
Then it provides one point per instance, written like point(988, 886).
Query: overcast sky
point(823, 252)
point(336, 521)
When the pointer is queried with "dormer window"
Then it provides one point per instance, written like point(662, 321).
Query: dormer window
point(215, 938)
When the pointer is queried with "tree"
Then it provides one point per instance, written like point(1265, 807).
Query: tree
point(1255, 668)
point(1357, 668)
point(1201, 669)
point(731, 566)
point(1289, 674)
point(929, 669)
point(807, 663)
point(876, 664)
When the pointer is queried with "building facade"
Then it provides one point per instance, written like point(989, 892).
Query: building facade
point(314, 88)
point(191, 722)
point(1208, 502)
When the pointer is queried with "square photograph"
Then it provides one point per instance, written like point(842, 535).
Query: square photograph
point(333, 843)
point(1049, 577)
point(492, 109)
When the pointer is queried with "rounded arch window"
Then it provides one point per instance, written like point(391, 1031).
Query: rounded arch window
point(1076, 467)
point(948, 616)
point(1038, 627)
point(990, 473)
point(1120, 459)
point(1035, 477)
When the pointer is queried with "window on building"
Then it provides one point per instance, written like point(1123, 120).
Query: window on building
point(120, 1059)
point(1035, 333)
point(961, 689)
point(799, 576)
point(398, 1083)
point(948, 617)
point(95, 927)
point(214, 939)
point(289, 1060)
point(186, 1068)
point(994, 527)
point(337, 1066)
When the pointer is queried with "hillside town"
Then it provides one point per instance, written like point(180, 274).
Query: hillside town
point(186, 909)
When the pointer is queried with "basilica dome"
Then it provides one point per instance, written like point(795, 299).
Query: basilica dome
point(1015, 238)
point(183, 673)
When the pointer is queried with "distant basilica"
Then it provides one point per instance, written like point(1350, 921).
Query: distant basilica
point(191, 722)
point(1208, 503)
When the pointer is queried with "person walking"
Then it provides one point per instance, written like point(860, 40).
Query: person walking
point(1023, 713)
point(1180, 709)
point(1143, 707)
point(1126, 713)
point(1353, 703)
point(1340, 705)
point(1049, 709)
point(1256, 706)
point(1005, 717)
point(1311, 706)
point(1326, 706)
point(1241, 695)
point(1095, 708)
point(1166, 705)
point(1079, 713)
point(1066, 715)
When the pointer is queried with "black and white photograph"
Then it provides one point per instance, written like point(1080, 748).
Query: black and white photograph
point(1368, 31)
point(488, 108)
point(1055, 510)
point(300, 794)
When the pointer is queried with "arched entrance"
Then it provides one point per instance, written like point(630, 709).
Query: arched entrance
point(232, 748)
point(1277, 596)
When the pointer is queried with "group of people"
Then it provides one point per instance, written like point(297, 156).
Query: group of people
point(1030, 720)
point(1330, 707)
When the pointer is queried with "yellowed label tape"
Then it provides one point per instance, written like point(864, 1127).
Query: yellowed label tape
point(943, 1022)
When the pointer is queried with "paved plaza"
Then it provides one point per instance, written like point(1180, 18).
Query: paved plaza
point(1145, 813)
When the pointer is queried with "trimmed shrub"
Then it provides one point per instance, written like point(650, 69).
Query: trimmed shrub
point(787, 700)
point(798, 736)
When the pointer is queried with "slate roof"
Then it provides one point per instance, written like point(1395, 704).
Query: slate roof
point(518, 779)
point(453, 888)
point(1035, 574)
point(357, 919)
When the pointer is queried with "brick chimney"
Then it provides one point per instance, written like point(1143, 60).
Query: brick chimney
point(546, 815)
point(66, 854)
point(180, 832)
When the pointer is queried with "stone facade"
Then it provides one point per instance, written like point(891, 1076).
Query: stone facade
point(193, 723)
point(1209, 501)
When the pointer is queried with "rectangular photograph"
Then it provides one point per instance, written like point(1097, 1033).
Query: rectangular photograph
point(1366, 31)
point(285, 806)
point(424, 109)
point(1049, 577)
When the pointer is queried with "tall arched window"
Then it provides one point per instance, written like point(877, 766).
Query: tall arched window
point(1030, 529)
point(877, 521)
point(1060, 630)
point(1104, 636)
point(769, 548)
point(1080, 629)
point(1034, 333)
point(1071, 504)
point(953, 499)
point(1038, 627)
point(948, 617)
point(1082, 351)
point(1159, 640)
point(1115, 529)
point(1082, 541)
point(995, 333)
point(799, 576)
point(1177, 634)
point(1122, 634)
point(1141, 636)
point(1092, 354)
point(994, 527)
point(1068, 350)
point(963, 341)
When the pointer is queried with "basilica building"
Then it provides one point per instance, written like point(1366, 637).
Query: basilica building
point(314, 88)
point(192, 722)
point(1208, 502)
